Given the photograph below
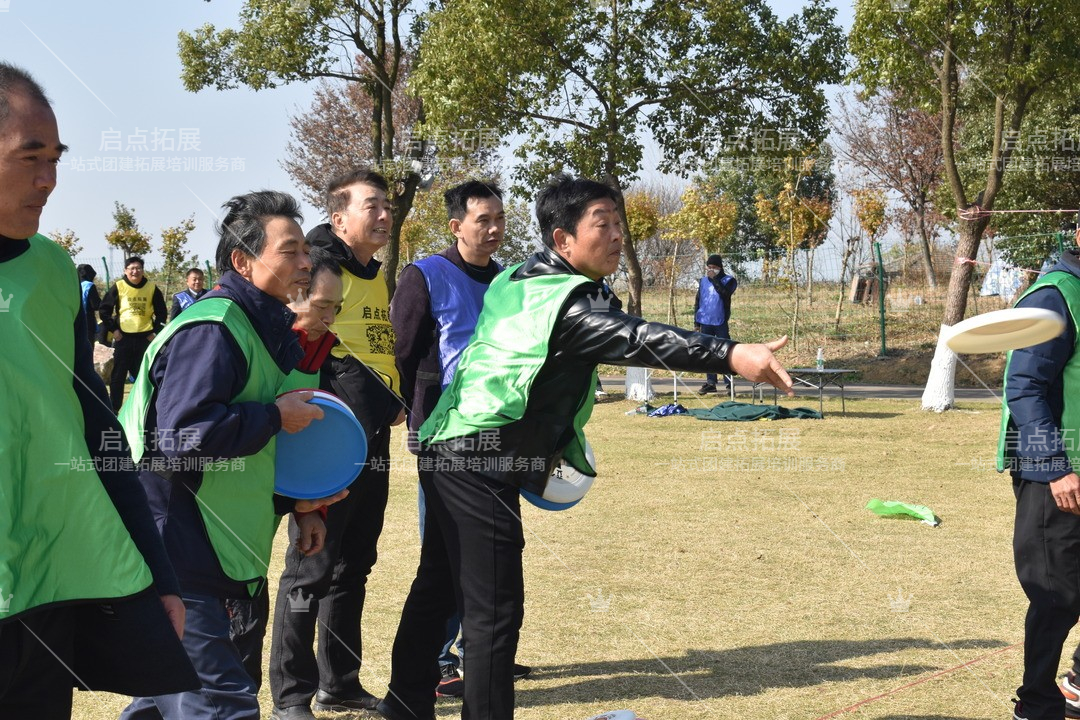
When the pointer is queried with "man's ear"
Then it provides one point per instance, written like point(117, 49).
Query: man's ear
point(455, 226)
point(242, 263)
point(561, 239)
point(336, 220)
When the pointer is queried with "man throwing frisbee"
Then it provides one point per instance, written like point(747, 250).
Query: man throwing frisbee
point(516, 406)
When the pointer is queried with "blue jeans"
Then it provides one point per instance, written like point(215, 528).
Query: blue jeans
point(228, 692)
point(720, 331)
point(453, 625)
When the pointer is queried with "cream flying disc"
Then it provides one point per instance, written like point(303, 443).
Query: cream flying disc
point(566, 486)
point(1005, 330)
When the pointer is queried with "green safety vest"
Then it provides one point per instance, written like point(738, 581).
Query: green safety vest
point(1069, 287)
point(236, 503)
point(61, 538)
point(491, 386)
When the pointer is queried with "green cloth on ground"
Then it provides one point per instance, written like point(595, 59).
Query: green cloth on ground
point(743, 412)
point(895, 507)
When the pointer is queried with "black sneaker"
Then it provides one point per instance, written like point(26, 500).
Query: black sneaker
point(707, 388)
point(1018, 710)
point(325, 702)
point(450, 684)
point(521, 671)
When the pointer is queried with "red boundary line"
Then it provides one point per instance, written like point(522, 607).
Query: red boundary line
point(867, 701)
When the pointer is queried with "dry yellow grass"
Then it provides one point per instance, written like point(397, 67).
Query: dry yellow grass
point(752, 593)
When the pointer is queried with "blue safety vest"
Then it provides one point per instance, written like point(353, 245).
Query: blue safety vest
point(184, 298)
point(456, 302)
point(712, 308)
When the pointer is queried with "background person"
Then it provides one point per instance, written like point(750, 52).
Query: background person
point(91, 299)
point(133, 311)
point(196, 280)
point(712, 308)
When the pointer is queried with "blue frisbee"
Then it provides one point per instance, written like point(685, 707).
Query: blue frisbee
point(323, 458)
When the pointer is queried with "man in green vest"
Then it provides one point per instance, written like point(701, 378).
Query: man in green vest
point(87, 595)
point(132, 311)
point(1040, 447)
point(201, 418)
point(515, 408)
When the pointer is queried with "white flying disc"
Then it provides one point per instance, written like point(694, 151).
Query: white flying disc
point(1005, 330)
point(616, 715)
point(566, 486)
point(323, 458)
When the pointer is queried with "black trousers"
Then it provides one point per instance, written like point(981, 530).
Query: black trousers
point(470, 560)
point(33, 682)
point(1046, 549)
point(128, 353)
point(329, 589)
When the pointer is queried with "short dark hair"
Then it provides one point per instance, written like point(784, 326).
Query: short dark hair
point(134, 259)
point(86, 272)
point(193, 270)
point(337, 192)
point(322, 261)
point(14, 79)
point(562, 203)
point(457, 198)
point(244, 226)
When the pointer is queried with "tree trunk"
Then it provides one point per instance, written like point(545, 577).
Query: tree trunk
point(402, 206)
point(849, 249)
point(810, 275)
point(938, 394)
point(928, 261)
point(634, 279)
point(672, 319)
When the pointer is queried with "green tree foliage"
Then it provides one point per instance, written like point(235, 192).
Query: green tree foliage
point(964, 59)
point(174, 250)
point(67, 240)
point(358, 41)
point(584, 82)
point(126, 235)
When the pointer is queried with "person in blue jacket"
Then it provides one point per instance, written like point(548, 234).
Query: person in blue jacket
point(1039, 447)
point(712, 308)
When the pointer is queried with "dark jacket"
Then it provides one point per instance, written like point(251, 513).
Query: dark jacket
point(416, 344)
point(109, 311)
point(195, 376)
point(591, 329)
point(1035, 390)
point(374, 404)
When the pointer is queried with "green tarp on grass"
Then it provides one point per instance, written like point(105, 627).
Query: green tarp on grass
point(742, 412)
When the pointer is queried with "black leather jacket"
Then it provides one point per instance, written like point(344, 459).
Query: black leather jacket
point(591, 329)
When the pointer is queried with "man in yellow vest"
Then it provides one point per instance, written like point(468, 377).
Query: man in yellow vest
point(133, 311)
point(87, 595)
point(361, 371)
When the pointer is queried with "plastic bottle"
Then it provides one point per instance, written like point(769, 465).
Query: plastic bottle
point(821, 358)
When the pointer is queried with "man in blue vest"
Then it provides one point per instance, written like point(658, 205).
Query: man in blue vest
point(712, 308)
point(516, 406)
point(195, 289)
point(87, 595)
point(434, 312)
point(1040, 446)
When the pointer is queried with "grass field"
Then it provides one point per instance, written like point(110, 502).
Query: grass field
point(688, 585)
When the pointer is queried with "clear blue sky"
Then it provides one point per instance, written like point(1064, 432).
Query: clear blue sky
point(112, 72)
